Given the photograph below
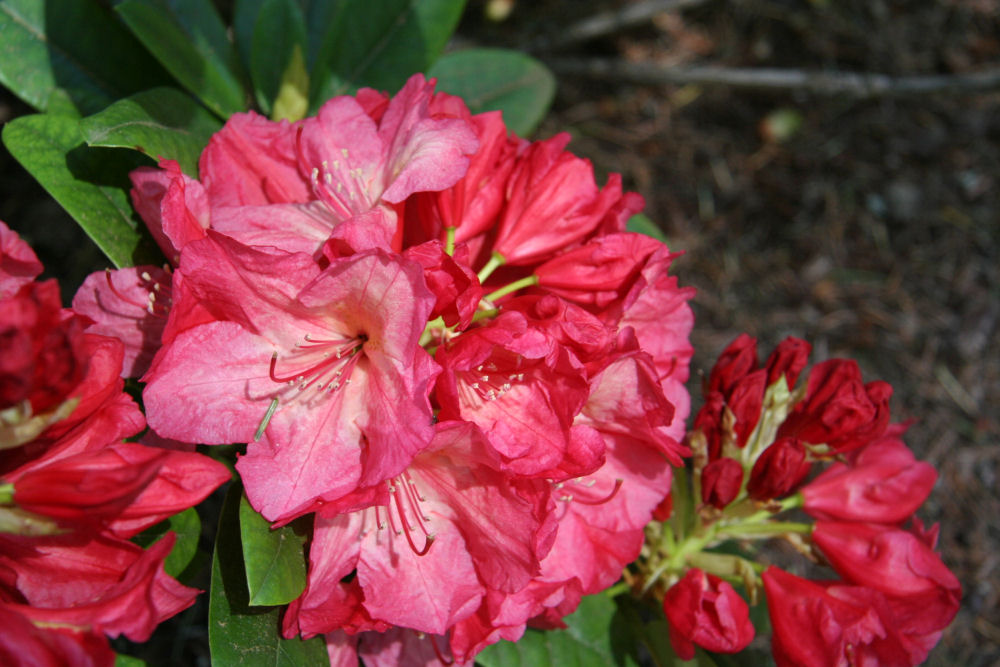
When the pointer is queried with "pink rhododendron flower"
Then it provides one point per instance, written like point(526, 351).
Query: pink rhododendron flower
point(337, 349)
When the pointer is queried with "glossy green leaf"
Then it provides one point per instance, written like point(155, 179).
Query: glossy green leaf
point(189, 39)
point(162, 123)
point(274, 559)
point(239, 634)
point(128, 661)
point(585, 642)
point(641, 224)
point(278, 56)
point(244, 21)
point(498, 79)
point(90, 183)
point(187, 526)
point(380, 43)
point(74, 45)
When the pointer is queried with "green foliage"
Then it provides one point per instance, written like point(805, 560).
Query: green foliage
point(187, 526)
point(379, 43)
point(279, 45)
point(585, 642)
point(73, 45)
point(498, 79)
point(90, 183)
point(239, 634)
point(162, 123)
point(641, 224)
point(274, 559)
point(189, 39)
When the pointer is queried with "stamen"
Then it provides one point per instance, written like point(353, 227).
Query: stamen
point(601, 501)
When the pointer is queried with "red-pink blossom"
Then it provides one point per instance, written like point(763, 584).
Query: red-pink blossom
point(838, 408)
point(426, 549)
point(552, 202)
point(18, 263)
point(721, 480)
point(705, 610)
point(883, 483)
point(896, 563)
point(779, 469)
point(337, 349)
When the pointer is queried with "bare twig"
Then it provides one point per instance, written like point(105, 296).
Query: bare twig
point(605, 23)
point(854, 84)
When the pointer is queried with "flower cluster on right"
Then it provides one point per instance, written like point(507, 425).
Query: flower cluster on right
point(757, 442)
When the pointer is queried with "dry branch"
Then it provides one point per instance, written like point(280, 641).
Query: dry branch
point(606, 23)
point(854, 84)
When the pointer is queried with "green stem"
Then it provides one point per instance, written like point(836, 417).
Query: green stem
point(449, 241)
point(428, 335)
point(496, 261)
point(766, 529)
point(7, 495)
point(513, 287)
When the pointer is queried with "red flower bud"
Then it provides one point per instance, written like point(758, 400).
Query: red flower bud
point(788, 359)
point(780, 468)
point(746, 401)
point(736, 361)
point(720, 482)
point(838, 409)
point(705, 610)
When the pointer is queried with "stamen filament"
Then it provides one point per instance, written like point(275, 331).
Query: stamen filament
point(607, 498)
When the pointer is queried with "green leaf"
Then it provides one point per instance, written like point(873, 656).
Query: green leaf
point(90, 183)
point(641, 224)
point(239, 634)
point(274, 559)
point(189, 39)
point(278, 56)
point(187, 526)
point(75, 45)
point(380, 43)
point(162, 123)
point(128, 661)
point(244, 21)
point(586, 641)
point(498, 79)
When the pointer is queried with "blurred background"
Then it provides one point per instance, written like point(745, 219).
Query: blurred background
point(853, 212)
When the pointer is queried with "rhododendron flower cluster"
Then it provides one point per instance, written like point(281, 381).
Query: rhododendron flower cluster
point(757, 442)
point(72, 491)
point(437, 339)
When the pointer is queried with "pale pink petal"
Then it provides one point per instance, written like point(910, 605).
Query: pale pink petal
point(210, 386)
point(427, 593)
point(300, 228)
point(422, 154)
point(131, 305)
